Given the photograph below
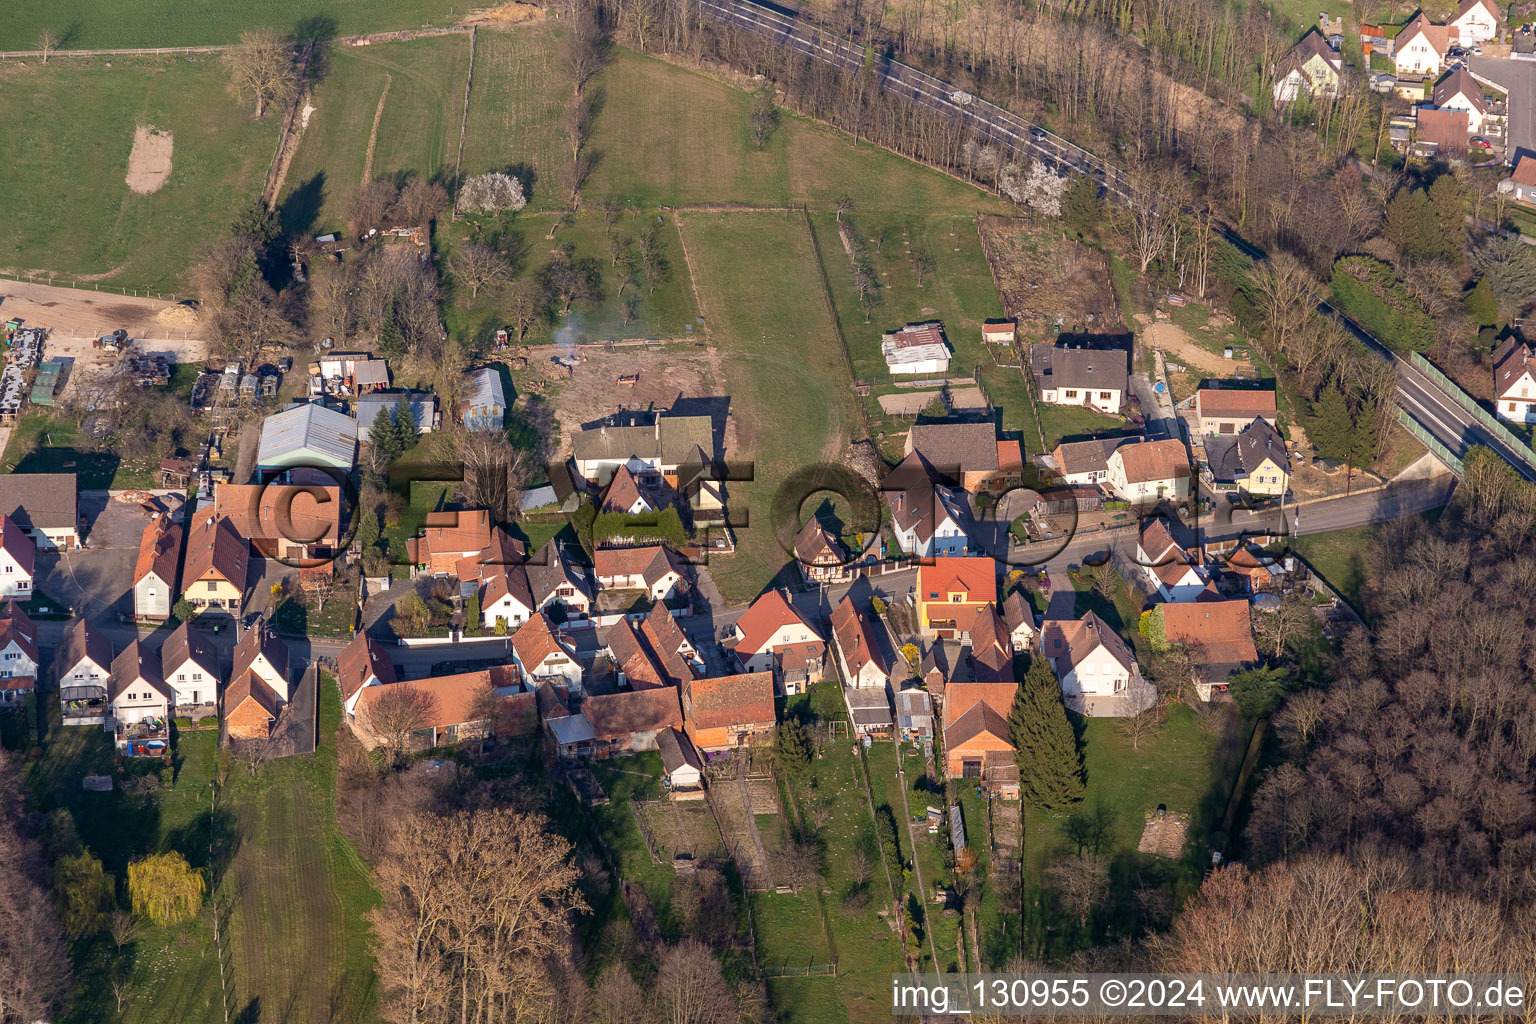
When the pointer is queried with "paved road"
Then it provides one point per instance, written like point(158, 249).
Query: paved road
point(1518, 78)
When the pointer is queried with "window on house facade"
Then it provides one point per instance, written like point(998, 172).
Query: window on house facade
point(1104, 395)
point(213, 584)
point(1071, 394)
point(970, 769)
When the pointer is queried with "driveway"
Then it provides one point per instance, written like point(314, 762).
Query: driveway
point(1518, 78)
point(295, 733)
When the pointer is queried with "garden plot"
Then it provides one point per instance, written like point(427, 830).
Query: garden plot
point(680, 827)
point(1043, 276)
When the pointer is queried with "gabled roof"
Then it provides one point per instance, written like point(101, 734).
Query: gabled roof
point(261, 640)
point(17, 628)
point(281, 512)
point(1091, 456)
point(1447, 129)
point(1169, 561)
point(975, 577)
point(548, 572)
point(616, 715)
point(485, 392)
point(1151, 461)
point(918, 502)
point(991, 648)
point(815, 544)
point(1310, 45)
point(913, 703)
point(666, 640)
point(186, 642)
point(1525, 170)
point(976, 720)
point(461, 532)
point(968, 447)
point(551, 700)
point(1459, 82)
point(1467, 5)
point(1512, 360)
point(669, 440)
point(651, 563)
point(535, 641)
point(623, 492)
point(136, 663)
point(631, 657)
point(677, 751)
point(1220, 631)
point(1236, 403)
point(504, 581)
point(21, 548)
point(361, 659)
point(999, 696)
point(1017, 611)
point(503, 552)
point(41, 501)
point(1438, 36)
point(159, 552)
point(215, 549)
point(84, 641)
point(856, 638)
point(249, 686)
point(1259, 441)
point(454, 697)
point(761, 621)
point(1087, 369)
point(367, 408)
point(868, 705)
point(1072, 640)
point(745, 699)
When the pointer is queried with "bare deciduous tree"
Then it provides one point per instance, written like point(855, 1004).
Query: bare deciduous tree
point(261, 69)
point(1080, 883)
point(397, 713)
point(689, 988)
point(47, 43)
point(478, 266)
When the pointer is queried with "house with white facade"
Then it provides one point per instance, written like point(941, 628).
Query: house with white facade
point(190, 666)
point(18, 654)
point(18, 560)
point(265, 655)
point(46, 507)
point(1458, 90)
point(1088, 657)
point(774, 637)
point(543, 655)
point(856, 641)
point(138, 690)
point(363, 663)
point(1420, 48)
point(83, 665)
point(506, 599)
point(1475, 21)
point(1514, 381)
point(1149, 471)
point(1172, 570)
point(928, 517)
point(653, 569)
point(1310, 68)
point(916, 348)
point(155, 571)
point(1095, 378)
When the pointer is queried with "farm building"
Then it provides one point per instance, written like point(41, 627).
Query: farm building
point(308, 435)
point(916, 348)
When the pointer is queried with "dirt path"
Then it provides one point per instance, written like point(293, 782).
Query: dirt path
point(373, 136)
point(1175, 341)
point(917, 862)
point(89, 314)
point(746, 803)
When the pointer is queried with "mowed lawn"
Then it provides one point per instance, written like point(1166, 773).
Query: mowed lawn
point(418, 127)
point(761, 295)
point(516, 107)
point(65, 205)
point(90, 24)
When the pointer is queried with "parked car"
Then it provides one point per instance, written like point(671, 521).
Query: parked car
point(1476, 51)
point(1478, 142)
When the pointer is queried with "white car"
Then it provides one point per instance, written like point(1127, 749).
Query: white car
point(961, 98)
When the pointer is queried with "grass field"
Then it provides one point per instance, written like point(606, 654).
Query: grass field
point(418, 126)
point(1340, 557)
point(65, 205)
point(790, 391)
point(85, 24)
point(47, 443)
point(515, 109)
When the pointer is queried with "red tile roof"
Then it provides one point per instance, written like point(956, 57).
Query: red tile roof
point(453, 697)
point(1231, 402)
point(297, 514)
point(745, 699)
point(535, 641)
point(16, 626)
point(1151, 461)
point(991, 648)
point(617, 715)
point(1220, 631)
point(959, 697)
point(1075, 639)
point(159, 552)
point(249, 686)
point(361, 658)
point(857, 638)
point(761, 621)
point(215, 548)
point(975, 577)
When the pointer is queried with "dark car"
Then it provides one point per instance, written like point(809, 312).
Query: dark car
point(1038, 133)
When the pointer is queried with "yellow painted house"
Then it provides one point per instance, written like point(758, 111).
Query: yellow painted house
point(214, 575)
point(1310, 68)
point(950, 591)
point(1255, 461)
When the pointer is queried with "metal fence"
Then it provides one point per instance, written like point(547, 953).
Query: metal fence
point(1467, 402)
point(1431, 442)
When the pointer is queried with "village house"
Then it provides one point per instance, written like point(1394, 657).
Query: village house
point(1149, 471)
point(542, 655)
point(1019, 618)
point(1225, 409)
point(682, 768)
point(856, 642)
point(970, 452)
point(914, 715)
point(251, 707)
point(1440, 132)
point(991, 653)
point(1514, 381)
point(368, 408)
point(18, 560)
point(447, 538)
point(1420, 47)
point(978, 742)
point(506, 598)
point(458, 708)
point(654, 569)
point(189, 664)
point(83, 667)
point(215, 571)
point(916, 348)
point(558, 585)
point(1091, 377)
point(154, 572)
point(999, 331)
point(1086, 463)
point(819, 555)
point(626, 496)
point(773, 637)
point(633, 663)
point(309, 435)
point(1310, 68)
point(18, 654)
point(484, 405)
point(1089, 658)
point(654, 449)
point(44, 506)
point(140, 700)
point(1255, 461)
point(729, 711)
point(1475, 21)
point(296, 524)
point(1172, 570)
point(362, 663)
point(1521, 184)
point(631, 720)
point(1219, 636)
point(1458, 90)
point(670, 647)
point(261, 651)
point(928, 518)
point(950, 591)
